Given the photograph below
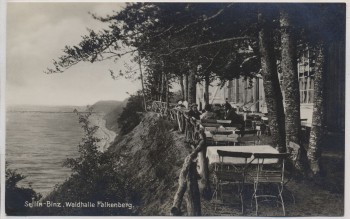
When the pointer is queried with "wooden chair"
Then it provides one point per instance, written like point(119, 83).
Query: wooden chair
point(223, 175)
point(268, 174)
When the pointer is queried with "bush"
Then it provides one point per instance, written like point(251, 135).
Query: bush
point(15, 197)
point(96, 177)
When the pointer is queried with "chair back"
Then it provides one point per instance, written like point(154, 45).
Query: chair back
point(210, 129)
point(222, 153)
point(231, 128)
point(232, 154)
point(274, 172)
point(247, 133)
point(270, 155)
point(248, 137)
point(208, 121)
point(248, 123)
point(221, 129)
point(220, 139)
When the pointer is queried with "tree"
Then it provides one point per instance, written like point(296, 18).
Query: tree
point(291, 88)
point(318, 130)
point(273, 95)
point(330, 27)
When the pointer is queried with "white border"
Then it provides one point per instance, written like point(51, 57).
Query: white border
point(3, 85)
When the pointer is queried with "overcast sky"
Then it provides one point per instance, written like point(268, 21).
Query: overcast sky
point(36, 34)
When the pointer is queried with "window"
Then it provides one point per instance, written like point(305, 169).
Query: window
point(306, 73)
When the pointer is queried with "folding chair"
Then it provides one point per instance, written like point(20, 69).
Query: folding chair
point(220, 140)
point(248, 137)
point(231, 128)
point(231, 173)
point(248, 124)
point(269, 172)
point(232, 139)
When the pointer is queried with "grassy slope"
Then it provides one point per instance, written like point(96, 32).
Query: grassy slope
point(155, 156)
point(150, 156)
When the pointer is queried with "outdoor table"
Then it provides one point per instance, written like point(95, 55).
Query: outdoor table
point(223, 121)
point(202, 125)
point(213, 156)
point(208, 134)
point(222, 132)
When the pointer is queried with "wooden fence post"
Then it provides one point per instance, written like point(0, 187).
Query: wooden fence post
point(193, 195)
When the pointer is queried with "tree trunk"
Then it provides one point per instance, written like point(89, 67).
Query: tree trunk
point(182, 86)
point(167, 90)
point(203, 168)
point(206, 90)
point(186, 87)
point(273, 95)
point(319, 110)
point(291, 91)
point(193, 195)
point(142, 84)
point(184, 178)
point(159, 84)
point(162, 88)
point(192, 87)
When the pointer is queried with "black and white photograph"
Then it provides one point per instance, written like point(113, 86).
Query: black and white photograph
point(174, 109)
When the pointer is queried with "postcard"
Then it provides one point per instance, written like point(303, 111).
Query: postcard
point(174, 109)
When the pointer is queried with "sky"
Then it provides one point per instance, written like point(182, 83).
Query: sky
point(37, 34)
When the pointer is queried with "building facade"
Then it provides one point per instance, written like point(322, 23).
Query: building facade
point(249, 94)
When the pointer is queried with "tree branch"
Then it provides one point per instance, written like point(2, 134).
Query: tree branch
point(212, 61)
point(206, 44)
point(204, 20)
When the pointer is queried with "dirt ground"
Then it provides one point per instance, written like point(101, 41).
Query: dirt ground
point(323, 196)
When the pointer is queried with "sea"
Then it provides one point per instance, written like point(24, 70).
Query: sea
point(38, 140)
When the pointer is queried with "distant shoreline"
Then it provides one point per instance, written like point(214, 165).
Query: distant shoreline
point(107, 136)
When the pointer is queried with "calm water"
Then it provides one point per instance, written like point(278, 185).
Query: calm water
point(38, 142)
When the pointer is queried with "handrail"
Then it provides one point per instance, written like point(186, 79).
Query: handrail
point(188, 175)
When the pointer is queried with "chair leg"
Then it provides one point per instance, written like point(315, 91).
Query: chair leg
point(256, 198)
point(256, 205)
point(241, 195)
point(280, 190)
point(221, 198)
point(216, 195)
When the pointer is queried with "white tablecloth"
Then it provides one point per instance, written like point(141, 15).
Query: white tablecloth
point(213, 156)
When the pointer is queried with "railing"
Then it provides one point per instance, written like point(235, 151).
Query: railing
point(188, 179)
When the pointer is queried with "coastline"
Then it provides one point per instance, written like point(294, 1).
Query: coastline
point(107, 136)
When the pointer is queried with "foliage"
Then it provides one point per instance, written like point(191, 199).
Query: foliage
point(218, 39)
point(130, 117)
point(17, 196)
point(89, 156)
point(96, 177)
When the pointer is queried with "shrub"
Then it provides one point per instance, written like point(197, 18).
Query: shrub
point(96, 177)
point(15, 197)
